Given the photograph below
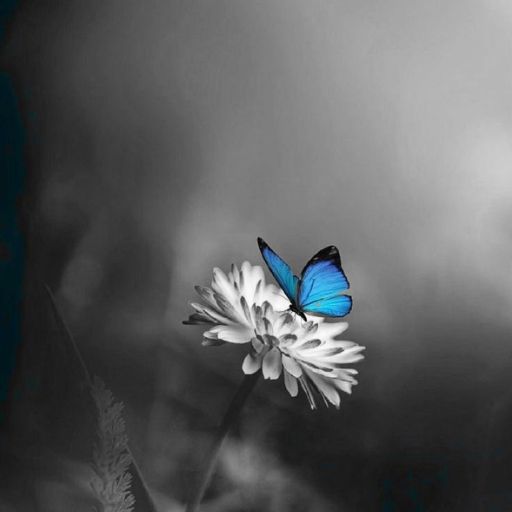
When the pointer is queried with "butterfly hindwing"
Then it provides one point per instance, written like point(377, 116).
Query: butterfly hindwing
point(337, 306)
point(322, 284)
point(280, 270)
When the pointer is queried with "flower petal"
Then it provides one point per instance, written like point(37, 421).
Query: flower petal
point(211, 313)
point(332, 329)
point(206, 294)
point(234, 275)
point(197, 319)
point(222, 286)
point(258, 345)
point(333, 348)
point(251, 276)
point(234, 333)
point(344, 386)
point(258, 319)
point(281, 322)
point(292, 366)
point(212, 333)
point(345, 374)
point(245, 308)
point(319, 368)
point(326, 387)
point(308, 392)
point(350, 355)
point(272, 364)
point(310, 327)
point(290, 383)
point(226, 307)
point(251, 364)
point(209, 342)
point(310, 344)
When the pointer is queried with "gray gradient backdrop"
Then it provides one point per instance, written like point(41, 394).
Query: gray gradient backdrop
point(165, 136)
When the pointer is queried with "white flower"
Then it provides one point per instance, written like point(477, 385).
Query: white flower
point(242, 308)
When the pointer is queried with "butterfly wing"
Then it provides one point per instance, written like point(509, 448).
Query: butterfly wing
point(280, 270)
point(337, 306)
point(322, 285)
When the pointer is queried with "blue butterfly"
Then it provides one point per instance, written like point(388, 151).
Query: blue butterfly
point(319, 291)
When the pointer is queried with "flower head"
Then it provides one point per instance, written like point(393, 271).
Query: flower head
point(241, 308)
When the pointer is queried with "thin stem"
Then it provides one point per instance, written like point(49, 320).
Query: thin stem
point(136, 472)
point(64, 326)
point(230, 417)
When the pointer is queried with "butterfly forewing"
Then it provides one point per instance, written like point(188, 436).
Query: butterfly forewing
point(280, 270)
point(322, 284)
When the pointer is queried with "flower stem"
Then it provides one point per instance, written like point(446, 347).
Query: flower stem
point(230, 417)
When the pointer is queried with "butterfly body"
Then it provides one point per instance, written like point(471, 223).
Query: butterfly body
point(319, 290)
point(294, 309)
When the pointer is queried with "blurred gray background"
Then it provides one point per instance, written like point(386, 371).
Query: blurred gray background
point(163, 137)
